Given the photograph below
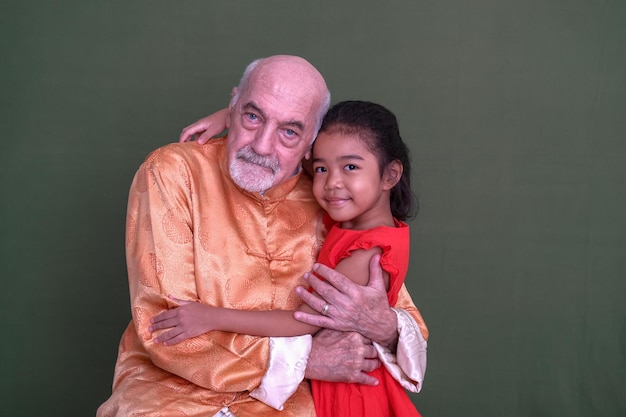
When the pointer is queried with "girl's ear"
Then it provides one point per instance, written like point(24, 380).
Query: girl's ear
point(392, 174)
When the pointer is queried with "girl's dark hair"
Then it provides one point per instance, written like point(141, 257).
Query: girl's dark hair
point(378, 128)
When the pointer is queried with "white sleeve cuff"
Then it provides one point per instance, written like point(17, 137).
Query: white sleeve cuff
point(408, 366)
point(288, 359)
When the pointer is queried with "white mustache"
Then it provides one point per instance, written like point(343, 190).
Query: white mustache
point(249, 155)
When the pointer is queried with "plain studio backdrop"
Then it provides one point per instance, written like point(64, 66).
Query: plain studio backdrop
point(515, 114)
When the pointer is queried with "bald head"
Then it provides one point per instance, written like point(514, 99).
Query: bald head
point(288, 72)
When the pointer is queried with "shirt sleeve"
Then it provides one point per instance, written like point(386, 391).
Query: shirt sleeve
point(160, 259)
point(408, 365)
point(288, 359)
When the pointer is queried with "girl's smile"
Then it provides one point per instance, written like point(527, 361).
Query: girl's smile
point(347, 181)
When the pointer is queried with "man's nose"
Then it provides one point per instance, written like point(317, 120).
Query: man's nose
point(264, 141)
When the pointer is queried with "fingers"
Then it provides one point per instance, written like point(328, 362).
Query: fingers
point(168, 314)
point(161, 323)
point(170, 338)
point(203, 138)
point(342, 283)
point(167, 320)
point(178, 300)
point(366, 379)
point(337, 280)
point(326, 320)
point(376, 274)
point(370, 364)
point(313, 301)
point(314, 319)
point(370, 351)
point(198, 128)
point(187, 134)
point(205, 128)
point(333, 292)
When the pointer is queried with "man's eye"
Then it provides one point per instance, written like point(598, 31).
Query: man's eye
point(289, 137)
point(251, 116)
point(290, 134)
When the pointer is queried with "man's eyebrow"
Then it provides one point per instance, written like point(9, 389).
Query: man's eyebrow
point(295, 123)
point(255, 108)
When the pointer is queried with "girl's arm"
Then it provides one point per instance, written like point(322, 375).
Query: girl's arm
point(192, 319)
point(356, 266)
point(205, 128)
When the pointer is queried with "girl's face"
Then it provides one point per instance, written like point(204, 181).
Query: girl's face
point(347, 182)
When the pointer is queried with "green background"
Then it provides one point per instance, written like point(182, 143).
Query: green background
point(515, 113)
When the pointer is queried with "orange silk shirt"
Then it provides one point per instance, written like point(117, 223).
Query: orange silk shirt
point(193, 234)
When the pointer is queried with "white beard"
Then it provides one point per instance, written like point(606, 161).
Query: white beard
point(253, 172)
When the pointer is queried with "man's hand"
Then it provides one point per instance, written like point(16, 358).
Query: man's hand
point(352, 307)
point(341, 357)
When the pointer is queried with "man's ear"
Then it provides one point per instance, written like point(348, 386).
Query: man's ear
point(307, 164)
point(227, 120)
point(309, 152)
point(231, 104)
point(392, 174)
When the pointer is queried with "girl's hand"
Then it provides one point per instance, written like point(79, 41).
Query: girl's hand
point(205, 128)
point(189, 320)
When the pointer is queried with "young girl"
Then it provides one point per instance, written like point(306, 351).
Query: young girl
point(361, 178)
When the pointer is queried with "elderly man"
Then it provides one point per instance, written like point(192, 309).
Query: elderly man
point(233, 223)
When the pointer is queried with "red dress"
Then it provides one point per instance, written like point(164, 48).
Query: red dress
point(388, 398)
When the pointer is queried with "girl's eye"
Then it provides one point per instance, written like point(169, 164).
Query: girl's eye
point(351, 167)
point(319, 170)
